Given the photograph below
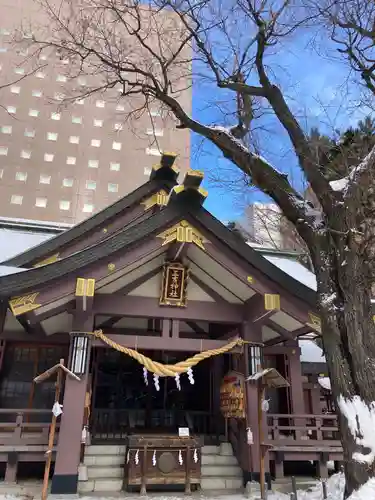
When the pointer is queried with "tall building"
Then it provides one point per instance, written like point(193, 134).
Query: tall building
point(59, 162)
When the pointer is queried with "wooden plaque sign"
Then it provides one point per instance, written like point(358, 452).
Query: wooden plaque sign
point(174, 285)
point(232, 395)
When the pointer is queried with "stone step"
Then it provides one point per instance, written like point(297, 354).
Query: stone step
point(223, 471)
point(101, 486)
point(221, 483)
point(99, 449)
point(105, 472)
point(219, 460)
point(210, 450)
point(104, 460)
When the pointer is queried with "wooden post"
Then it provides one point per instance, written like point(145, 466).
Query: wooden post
point(144, 472)
point(262, 475)
point(60, 369)
point(188, 471)
point(51, 438)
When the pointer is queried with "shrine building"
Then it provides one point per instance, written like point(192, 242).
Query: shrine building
point(181, 344)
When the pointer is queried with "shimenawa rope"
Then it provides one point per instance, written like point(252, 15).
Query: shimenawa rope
point(167, 370)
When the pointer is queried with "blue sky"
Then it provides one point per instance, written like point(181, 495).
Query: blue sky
point(319, 88)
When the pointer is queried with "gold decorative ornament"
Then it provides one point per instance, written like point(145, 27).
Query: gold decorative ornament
point(85, 287)
point(250, 279)
point(111, 267)
point(271, 301)
point(174, 285)
point(315, 322)
point(105, 230)
point(24, 304)
point(183, 232)
point(49, 260)
point(167, 370)
point(160, 199)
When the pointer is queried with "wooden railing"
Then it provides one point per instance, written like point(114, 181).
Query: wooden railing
point(116, 424)
point(22, 427)
point(302, 430)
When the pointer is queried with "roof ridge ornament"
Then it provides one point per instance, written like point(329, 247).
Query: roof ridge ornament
point(165, 170)
point(190, 188)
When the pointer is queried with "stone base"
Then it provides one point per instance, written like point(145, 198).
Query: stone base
point(249, 477)
point(64, 484)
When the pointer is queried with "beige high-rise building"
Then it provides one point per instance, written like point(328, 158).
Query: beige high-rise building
point(62, 163)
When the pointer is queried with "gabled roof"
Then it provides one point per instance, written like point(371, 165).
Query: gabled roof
point(185, 203)
point(163, 176)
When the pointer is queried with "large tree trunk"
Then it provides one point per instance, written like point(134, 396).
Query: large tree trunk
point(349, 344)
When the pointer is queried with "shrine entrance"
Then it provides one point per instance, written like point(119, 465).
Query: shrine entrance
point(123, 402)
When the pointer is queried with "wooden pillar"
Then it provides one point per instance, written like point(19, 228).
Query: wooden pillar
point(296, 386)
point(65, 478)
point(253, 332)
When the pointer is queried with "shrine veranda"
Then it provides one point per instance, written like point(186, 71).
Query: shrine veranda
point(163, 313)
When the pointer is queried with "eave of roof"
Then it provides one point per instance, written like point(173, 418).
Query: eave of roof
point(53, 244)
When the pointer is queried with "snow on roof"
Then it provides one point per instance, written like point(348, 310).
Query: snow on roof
point(295, 269)
point(6, 270)
point(311, 352)
point(16, 241)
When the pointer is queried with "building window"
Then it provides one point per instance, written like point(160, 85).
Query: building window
point(3, 151)
point(77, 119)
point(98, 123)
point(52, 136)
point(118, 126)
point(91, 185)
point(95, 143)
point(116, 146)
point(3, 50)
point(61, 78)
point(19, 71)
point(147, 170)
point(93, 164)
point(88, 208)
point(67, 183)
point(11, 110)
point(15, 90)
point(41, 202)
point(6, 129)
point(114, 166)
point(120, 107)
point(33, 112)
point(55, 116)
point(48, 157)
point(153, 152)
point(29, 133)
point(40, 74)
point(112, 188)
point(81, 81)
point(21, 176)
point(36, 93)
point(64, 205)
point(44, 179)
point(16, 199)
point(74, 139)
point(157, 132)
point(59, 96)
point(71, 160)
point(25, 154)
point(100, 104)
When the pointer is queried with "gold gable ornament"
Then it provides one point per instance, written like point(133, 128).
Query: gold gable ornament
point(174, 285)
point(160, 199)
point(182, 232)
point(49, 260)
point(24, 304)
